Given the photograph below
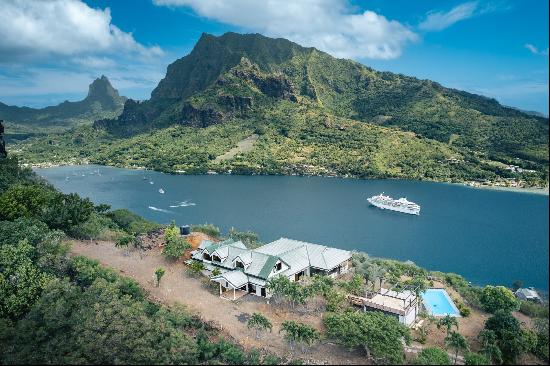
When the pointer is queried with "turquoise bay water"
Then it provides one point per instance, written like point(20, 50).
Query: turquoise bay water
point(438, 303)
point(487, 236)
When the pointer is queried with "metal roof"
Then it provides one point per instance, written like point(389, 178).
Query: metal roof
point(318, 256)
point(236, 278)
point(297, 255)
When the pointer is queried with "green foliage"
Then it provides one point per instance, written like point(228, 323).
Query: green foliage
point(489, 346)
point(533, 309)
point(381, 335)
point(159, 273)
point(495, 298)
point(24, 201)
point(216, 272)
point(314, 114)
point(207, 229)
point(541, 330)
point(464, 311)
point(354, 286)
point(296, 332)
point(249, 238)
point(432, 356)
point(448, 322)
point(281, 287)
point(175, 245)
point(472, 358)
point(511, 340)
point(21, 281)
point(457, 341)
point(260, 323)
point(12, 174)
point(132, 223)
point(195, 268)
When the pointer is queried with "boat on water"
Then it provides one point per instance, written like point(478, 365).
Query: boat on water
point(161, 190)
point(400, 205)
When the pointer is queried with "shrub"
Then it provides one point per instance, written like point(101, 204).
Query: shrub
point(207, 229)
point(132, 223)
point(432, 356)
point(472, 358)
point(533, 309)
point(175, 245)
point(495, 298)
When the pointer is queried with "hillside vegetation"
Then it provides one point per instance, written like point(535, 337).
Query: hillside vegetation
point(315, 114)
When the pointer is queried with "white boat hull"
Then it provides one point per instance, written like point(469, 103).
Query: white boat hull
point(394, 208)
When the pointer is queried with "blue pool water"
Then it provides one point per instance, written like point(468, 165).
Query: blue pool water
point(439, 303)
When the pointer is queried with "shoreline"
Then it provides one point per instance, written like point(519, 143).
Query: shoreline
point(543, 191)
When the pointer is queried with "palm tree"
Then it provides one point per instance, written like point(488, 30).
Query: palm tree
point(456, 341)
point(260, 323)
point(489, 347)
point(159, 273)
point(448, 322)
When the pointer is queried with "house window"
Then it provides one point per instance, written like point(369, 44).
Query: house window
point(239, 264)
point(215, 258)
point(278, 266)
point(207, 256)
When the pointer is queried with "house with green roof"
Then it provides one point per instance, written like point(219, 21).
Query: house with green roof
point(243, 271)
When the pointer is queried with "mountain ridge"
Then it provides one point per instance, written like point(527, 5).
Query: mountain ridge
point(102, 100)
point(314, 114)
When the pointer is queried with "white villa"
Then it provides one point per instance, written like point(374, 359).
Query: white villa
point(245, 271)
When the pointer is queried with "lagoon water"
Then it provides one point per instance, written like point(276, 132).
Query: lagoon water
point(488, 236)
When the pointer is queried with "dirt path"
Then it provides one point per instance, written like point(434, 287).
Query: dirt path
point(242, 146)
point(176, 286)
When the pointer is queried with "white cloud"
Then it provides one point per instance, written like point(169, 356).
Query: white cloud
point(534, 50)
point(439, 20)
point(329, 25)
point(62, 27)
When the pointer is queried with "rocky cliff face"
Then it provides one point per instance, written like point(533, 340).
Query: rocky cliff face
point(3, 152)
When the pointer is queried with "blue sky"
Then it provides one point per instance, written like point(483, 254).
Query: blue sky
point(50, 51)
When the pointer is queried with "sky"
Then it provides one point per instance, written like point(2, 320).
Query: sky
point(50, 51)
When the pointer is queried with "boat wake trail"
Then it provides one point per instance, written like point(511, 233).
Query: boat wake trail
point(159, 209)
point(184, 204)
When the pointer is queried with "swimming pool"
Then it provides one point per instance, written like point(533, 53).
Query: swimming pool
point(438, 303)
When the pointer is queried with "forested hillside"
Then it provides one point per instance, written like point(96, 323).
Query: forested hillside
point(315, 114)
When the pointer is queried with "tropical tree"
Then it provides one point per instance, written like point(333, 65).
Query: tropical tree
point(296, 332)
point(495, 298)
point(260, 323)
point(159, 273)
point(489, 347)
point(457, 341)
point(432, 356)
point(195, 267)
point(511, 340)
point(380, 335)
point(448, 322)
point(291, 333)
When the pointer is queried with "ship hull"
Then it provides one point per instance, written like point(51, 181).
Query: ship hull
point(392, 208)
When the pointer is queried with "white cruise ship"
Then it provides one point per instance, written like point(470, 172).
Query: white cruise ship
point(400, 205)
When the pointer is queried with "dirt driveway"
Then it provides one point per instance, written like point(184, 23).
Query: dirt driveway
point(178, 287)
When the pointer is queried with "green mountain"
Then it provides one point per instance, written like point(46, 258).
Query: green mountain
point(312, 114)
point(102, 101)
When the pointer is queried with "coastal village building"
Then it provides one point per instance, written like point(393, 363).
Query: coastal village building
point(528, 294)
point(245, 271)
point(403, 305)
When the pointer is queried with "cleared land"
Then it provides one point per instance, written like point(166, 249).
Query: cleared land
point(230, 316)
point(243, 146)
